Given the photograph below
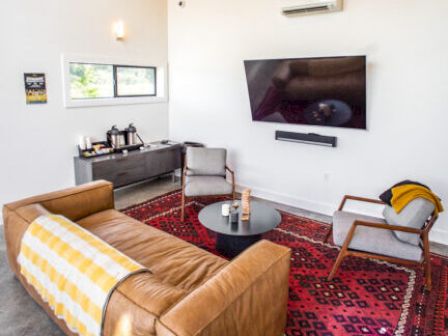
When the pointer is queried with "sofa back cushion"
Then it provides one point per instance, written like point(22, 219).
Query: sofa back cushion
point(414, 215)
point(74, 202)
point(206, 161)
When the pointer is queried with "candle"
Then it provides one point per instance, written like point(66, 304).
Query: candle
point(225, 209)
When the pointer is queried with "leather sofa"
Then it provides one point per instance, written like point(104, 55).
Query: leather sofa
point(190, 291)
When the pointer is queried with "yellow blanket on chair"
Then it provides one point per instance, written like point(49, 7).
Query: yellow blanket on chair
point(73, 271)
point(404, 194)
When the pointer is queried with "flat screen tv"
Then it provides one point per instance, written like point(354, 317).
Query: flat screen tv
point(329, 91)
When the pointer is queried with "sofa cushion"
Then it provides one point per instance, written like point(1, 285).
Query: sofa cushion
point(414, 215)
point(373, 240)
point(171, 259)
point(206, 161)
point(177, 268)
point(207, 185)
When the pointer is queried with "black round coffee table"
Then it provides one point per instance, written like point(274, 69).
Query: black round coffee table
point(233, 238)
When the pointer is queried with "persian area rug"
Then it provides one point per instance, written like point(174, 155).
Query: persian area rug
point(366, 297)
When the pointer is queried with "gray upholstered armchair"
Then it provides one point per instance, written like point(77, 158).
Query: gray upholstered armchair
point(205, 174)
point(398, 238)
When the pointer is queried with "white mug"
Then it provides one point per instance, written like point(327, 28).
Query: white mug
point(88, 141)
point(225, 209)
point(82, 143)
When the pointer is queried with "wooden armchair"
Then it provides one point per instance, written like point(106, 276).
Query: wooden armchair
point(204, 174)
point(367, 235)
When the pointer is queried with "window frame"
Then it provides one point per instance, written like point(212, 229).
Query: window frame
point(161, 82)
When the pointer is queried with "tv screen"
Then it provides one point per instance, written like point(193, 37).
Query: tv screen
point(328, 91)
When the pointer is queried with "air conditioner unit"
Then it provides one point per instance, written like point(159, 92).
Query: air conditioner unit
point(313, 7)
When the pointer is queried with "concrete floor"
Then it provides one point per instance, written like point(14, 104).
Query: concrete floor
point(20, 316)
point(139, 193)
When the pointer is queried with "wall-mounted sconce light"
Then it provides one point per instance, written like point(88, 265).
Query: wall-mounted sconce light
point(119, 30)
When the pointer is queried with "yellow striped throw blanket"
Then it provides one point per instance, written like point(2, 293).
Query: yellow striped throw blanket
point(73, 271)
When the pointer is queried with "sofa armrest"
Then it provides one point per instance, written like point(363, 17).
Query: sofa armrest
point(74, 203)
point(247, 297)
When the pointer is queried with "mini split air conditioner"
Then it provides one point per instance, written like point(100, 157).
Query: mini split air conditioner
point(313, 7)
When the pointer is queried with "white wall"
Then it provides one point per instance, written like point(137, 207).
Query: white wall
point(37, 143)
point(407, 137)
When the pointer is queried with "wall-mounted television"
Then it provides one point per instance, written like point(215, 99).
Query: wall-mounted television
point(326, 91)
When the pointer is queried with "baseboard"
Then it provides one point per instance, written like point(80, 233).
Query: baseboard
point(439, 236)
point(323, 208)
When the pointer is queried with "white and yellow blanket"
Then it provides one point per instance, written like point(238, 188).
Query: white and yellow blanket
point(73, 271)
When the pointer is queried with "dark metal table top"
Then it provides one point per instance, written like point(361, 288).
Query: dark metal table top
point(263, 218)
point(155, 146)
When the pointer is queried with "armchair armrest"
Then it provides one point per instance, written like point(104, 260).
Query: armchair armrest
point(230, 170)
point(359, 199)
point(232, 174)
point(186, 169)
point(387, 227)
point(380, 226)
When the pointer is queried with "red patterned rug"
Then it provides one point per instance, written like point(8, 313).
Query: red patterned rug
point(366, 297)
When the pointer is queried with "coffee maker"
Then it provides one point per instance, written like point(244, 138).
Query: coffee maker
point(131, 135)
point(126, 139)
point(114, 137)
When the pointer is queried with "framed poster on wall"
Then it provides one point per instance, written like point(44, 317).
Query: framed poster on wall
point(35, 88)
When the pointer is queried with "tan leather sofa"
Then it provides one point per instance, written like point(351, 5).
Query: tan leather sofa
point(190, 291)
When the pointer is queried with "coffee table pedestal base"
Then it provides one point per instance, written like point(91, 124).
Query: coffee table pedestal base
point(231, 246)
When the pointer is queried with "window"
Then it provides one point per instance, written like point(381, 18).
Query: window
point(109, 81)
point(134, 81)
point(93, 81)
point(88, 81)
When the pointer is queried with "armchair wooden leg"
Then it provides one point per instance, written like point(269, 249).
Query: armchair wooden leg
point(338, 262)
point(428, 278)
point(343, 253)
point(427, 262)
point(182, 211)
point(328, 234)
point(233, 187)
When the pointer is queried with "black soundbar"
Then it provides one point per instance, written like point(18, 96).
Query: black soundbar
point(306, 138)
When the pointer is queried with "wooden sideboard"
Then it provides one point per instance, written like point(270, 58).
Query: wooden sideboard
point(135, 166)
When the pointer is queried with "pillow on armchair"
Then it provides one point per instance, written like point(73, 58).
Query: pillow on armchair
point(206, 161)
point(414, 215)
